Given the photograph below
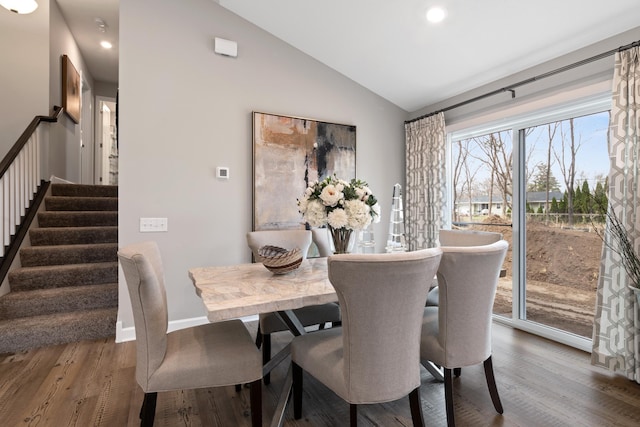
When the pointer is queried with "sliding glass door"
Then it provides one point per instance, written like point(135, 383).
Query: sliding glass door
point(540, 181)
point(482, 183)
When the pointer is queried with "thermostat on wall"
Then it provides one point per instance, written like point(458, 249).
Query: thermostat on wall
point(222, 172)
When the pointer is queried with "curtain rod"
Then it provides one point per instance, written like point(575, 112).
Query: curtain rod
point(511, 88)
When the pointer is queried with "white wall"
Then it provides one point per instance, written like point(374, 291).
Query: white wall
point(24, 75)
point(185, 110)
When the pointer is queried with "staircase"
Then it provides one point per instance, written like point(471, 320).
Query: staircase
point(66, 289)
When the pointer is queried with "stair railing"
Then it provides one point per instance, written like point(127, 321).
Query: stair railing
point(21, 186)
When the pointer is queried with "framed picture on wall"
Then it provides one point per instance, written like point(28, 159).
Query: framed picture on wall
point(289, 153)
point(70, 89)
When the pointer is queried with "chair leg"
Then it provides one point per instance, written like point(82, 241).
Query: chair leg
point(416, 408)
point(353, 415)
point(457, 371)
point(266, 355)
point(255, 395)
point(148, 409)
point(297, 390)
point(258, 337)
point(448, 397)
point(491, 382)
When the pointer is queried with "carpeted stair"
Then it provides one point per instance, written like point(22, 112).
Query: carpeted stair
point(66, 289)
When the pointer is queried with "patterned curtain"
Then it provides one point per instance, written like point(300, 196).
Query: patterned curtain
point(616, 335)
point(426, 187)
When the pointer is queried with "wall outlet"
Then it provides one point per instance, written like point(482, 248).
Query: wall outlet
point(153, 225)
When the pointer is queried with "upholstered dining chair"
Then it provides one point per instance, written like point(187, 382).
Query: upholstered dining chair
point(374, 356)
point(210, 355)
point(310, 315)
point(467, 237)
point(461, 238)
point(457, 333)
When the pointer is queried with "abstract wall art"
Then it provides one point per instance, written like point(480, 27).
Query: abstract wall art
point(288, 154)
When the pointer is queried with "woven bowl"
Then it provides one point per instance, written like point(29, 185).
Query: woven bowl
point(279, 260)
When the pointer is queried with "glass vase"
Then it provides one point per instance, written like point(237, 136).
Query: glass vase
point(341, 238)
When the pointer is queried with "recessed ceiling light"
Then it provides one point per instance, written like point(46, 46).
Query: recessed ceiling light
point(105, 44)
point(436, 14)
point(102, 25)
point(19, 6)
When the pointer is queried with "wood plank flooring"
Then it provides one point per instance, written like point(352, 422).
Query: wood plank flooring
point(92, 383)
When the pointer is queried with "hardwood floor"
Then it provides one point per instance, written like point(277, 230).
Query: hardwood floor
point(92, 383)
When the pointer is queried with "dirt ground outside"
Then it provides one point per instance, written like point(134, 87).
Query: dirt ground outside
point(562, 274)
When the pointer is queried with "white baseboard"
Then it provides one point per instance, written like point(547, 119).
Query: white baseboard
point(129, 334)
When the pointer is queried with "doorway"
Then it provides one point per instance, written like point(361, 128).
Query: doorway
point(106, 148)
point(86, 131)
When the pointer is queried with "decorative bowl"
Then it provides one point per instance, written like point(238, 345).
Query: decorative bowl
point(279, 260)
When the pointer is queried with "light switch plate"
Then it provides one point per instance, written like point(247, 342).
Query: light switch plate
point(153, 225)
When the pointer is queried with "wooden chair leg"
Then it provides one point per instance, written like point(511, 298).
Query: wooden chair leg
point(255, 395)
point(353, 415)
point(266, 356)
point(296, 371)
point(416, 408)
point(259, 337)
point(491, 383)
point(448, 397)
point(148, 409)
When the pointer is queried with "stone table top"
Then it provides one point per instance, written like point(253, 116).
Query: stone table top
point(247, 289)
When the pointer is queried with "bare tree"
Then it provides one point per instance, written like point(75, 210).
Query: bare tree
point(566, 157)
point(551, 133)
point(459, 161)
point(497, 156)
point(464, 174)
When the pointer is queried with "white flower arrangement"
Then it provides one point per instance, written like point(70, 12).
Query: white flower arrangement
point(339, 204)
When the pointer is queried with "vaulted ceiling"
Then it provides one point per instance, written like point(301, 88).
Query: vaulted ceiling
point(390, 48)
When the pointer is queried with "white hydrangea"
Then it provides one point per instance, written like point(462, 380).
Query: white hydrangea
point(316, 214)
point(337, 218)
point(302, 205)
point(358, 214)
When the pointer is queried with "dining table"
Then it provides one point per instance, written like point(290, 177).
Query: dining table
point(236, 291)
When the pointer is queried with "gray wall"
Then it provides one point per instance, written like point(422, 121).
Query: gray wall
point(185, 110)
point(596, 74)
point(31, 84)
point(24, 78)
point(64, 141)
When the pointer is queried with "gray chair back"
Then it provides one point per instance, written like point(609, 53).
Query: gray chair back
point(467, 237)
point(468, 279)
point(287, 239)
point(142, 267)
point(382, 298)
